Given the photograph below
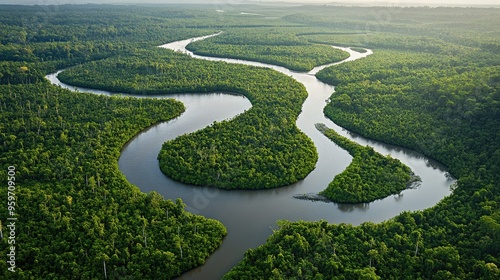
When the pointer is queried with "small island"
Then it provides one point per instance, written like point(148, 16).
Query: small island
point(369, 177)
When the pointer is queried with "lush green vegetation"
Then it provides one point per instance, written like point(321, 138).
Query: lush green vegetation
point(269, 45)
point(431, 85)
point(369, 177)
point(39, 37)
point(76, 210)
point(261, 148)
point(398, 249)
point(455, 100)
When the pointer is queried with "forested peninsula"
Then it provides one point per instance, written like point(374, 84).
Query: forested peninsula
point(370, 175)
point(269, 45)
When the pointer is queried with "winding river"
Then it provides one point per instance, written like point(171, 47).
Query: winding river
point(250, 216)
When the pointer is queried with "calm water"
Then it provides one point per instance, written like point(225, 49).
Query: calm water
point(250, 216)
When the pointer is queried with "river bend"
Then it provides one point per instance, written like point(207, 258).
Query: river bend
point(250, 216)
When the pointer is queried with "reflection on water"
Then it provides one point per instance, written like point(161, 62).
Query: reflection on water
point(354, 207)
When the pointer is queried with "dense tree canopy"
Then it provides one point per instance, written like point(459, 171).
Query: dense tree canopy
point(432, 85)
point(76, 210)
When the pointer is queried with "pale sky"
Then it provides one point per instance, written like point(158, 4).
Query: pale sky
point(233, 2)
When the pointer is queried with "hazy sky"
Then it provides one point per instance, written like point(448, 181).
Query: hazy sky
point(377, 2)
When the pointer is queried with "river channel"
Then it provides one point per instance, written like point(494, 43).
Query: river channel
point(250, 216)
